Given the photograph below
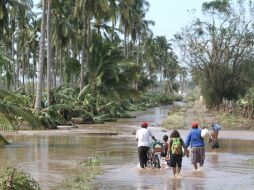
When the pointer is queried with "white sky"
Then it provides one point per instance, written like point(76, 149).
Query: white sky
point(171, 15)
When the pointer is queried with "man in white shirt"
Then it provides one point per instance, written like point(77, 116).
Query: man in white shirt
point(143, 137)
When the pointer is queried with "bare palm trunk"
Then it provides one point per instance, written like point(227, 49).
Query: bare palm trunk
point(12, 54)
point(41, 60)
point(34, 68)
point(125, 42)
point(61, 66)
point(49, 54)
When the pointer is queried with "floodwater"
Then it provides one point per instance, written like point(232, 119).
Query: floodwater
point(51, 159)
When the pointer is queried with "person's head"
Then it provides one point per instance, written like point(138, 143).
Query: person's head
point(175, 134)
point(204, 125)
point(144, 125)
point(194, 125)
point(165, 138)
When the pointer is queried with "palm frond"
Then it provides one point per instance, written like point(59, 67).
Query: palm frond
point(5, 123)
point(13, 111)
point(14, 98)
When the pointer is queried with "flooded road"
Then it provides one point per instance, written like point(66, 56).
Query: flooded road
point(51, 159)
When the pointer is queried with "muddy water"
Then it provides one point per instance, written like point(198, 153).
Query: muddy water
point(51, 159)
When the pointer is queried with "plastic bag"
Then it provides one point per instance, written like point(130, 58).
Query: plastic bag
point(205, 133)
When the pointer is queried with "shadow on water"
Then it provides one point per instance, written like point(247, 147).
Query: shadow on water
point(51, 159)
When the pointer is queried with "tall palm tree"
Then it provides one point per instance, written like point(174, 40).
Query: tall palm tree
point(49, 54)
point(38, 99)
point(88, 8)
point(61, 32)
point(125, 7)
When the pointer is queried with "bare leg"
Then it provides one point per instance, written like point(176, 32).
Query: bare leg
point(195, 166)
point(174, 171)
point(178, 171)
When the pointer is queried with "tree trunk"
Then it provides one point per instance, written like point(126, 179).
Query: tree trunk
point(37, 105)
point(125, 42)
point(61, 66)
point(49, 54)
point(12, 54)
point(34, 68)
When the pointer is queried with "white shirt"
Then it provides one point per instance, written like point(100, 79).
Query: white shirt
point(143, 135)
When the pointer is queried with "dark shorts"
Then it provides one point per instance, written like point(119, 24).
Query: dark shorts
point(176, 160)
point(215, 143)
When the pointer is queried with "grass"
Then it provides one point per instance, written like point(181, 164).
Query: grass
point(176, 116)
point(83, 177)
point(251, 162)
point(231, 122)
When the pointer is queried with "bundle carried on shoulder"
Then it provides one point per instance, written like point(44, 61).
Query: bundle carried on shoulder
point(205, 133)
point(216, 127)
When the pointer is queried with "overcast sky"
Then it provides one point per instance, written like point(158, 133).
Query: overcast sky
point(171, 15)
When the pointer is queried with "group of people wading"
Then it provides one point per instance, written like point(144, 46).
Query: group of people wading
point(177, 147)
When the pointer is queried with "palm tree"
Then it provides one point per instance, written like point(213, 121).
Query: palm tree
point(125, 7)
point(9, 11)
point(108, 74)
point(61, 32)
point(49, 54)
point(38, 100)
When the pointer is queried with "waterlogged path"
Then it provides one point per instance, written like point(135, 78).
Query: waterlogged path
point(232, 167)
point(52, 157)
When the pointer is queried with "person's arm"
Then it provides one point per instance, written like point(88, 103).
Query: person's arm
point(188, 140)
point(151, 135)
point(183, 144)
point(169, 148)
point(186, 151)
point(137, 135)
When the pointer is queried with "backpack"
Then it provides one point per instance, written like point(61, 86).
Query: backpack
point(176, 147)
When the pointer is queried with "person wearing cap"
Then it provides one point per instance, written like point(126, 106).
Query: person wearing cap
point(196, 142)
point(143, 136)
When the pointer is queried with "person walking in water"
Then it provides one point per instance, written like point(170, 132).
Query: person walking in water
point(175, 153)
point(214, 137)
point(143, 136)
point(196, 142)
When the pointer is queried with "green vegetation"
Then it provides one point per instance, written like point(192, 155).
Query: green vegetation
point(11, 178)
point(218, 49)
point(251, 162)
point(101, 63)
point(82, 179)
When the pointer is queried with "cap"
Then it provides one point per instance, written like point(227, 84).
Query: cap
point(194, 124)
point(144, 124)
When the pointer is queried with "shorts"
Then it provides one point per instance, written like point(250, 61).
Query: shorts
point(176, 160)
point(215, 143)
point(197, 155)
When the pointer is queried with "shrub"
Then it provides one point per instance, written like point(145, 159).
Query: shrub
point(11, 178)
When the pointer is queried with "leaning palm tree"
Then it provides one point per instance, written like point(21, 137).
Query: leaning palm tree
point(11, 112)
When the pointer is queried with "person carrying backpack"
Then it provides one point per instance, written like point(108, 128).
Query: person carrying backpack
point(195, 140)
point(175, 152)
